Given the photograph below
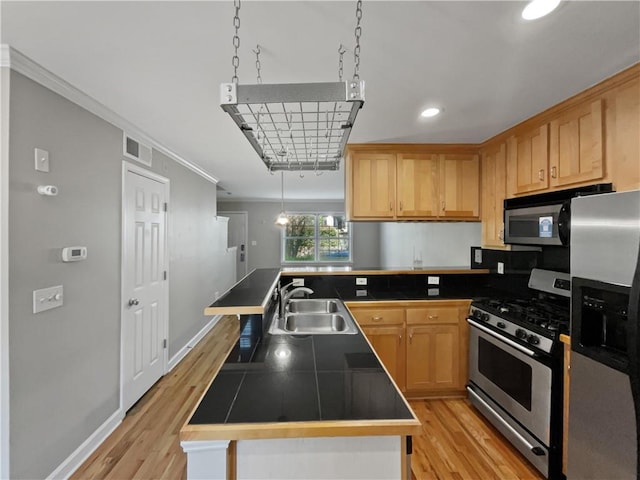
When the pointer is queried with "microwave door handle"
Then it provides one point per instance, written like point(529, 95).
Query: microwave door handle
point(511, 343)
point(535, 450)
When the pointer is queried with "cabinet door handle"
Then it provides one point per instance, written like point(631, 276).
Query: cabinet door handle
point(400, 340)
point(400, 205)
point(541, 174)
point(410, 337)
point(443, 205)
point(391, 206)
point(376, 319)
point(433, 317)
point(554, 172)
point(501, 234)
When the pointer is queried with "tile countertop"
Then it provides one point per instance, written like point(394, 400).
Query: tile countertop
point(303, 386)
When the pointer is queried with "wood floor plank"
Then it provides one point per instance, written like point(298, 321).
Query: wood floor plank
point(456, 443)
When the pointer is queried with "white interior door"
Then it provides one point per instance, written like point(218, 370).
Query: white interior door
point(144, 292)
point(237, 236)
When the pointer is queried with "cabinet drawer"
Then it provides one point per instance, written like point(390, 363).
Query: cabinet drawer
point(378, 316)
point(432, 315)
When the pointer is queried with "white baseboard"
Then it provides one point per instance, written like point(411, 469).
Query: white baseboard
point(192, 343)
point(73, 462)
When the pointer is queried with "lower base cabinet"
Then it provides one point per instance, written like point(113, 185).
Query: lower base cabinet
point(422, 344)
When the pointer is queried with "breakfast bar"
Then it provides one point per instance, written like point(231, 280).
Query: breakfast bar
point(320, 405)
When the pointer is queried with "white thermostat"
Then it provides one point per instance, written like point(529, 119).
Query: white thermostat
point(74, 254)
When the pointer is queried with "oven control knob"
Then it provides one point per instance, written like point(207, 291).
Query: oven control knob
point(533, 340)
point(484, 317)
point(475, 313)
point(501, 325)
point(520, 333)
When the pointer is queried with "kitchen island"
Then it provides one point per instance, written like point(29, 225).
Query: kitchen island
point(320, 406)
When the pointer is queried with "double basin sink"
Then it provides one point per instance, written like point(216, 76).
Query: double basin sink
point(315, 316)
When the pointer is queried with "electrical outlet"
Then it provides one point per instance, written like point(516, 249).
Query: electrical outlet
point(298, 282)
point(433, 280)
point(47, 298)
point(477, 256)
point(361, 293)
point(500, 268)
point(361, 280)
point(433, 291)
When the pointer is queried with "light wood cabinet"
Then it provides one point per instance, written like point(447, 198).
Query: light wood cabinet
point(528, 161)
point(422, 344)
point(385, 329)
point(575, 145)
point(437, 350)
point(389, 344)
point(416, 183)
point(459, 185)
point(494, 191)
point(374, 196)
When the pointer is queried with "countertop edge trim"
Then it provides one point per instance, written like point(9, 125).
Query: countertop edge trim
point(460, 271)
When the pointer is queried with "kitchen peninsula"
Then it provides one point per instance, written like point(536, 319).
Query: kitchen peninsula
point(299, 404)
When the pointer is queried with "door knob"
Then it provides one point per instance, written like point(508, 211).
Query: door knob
point(133, 301)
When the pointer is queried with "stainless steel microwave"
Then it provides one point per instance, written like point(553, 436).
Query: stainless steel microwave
point(545, 218)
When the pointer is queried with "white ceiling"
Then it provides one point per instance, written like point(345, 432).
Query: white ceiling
point(159, 65)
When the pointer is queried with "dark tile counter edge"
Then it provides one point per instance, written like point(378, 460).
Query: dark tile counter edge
point(250, 295)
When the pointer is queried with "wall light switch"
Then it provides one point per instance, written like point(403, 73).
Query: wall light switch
point(253, 243)
point(42, 160)
point(298, 282)
point(433, 280)
point(47, 298)
point(500, 267)
point(477, 256)
point(361, 280)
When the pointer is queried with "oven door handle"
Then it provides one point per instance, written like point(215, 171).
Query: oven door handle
point(511, 343)
point(535, 450)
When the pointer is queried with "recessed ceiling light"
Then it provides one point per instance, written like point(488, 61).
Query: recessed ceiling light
point(430, 112)
point(539, 8)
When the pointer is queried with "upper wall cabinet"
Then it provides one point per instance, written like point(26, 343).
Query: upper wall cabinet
point(494, 191)
point(400, 182)
point(575, 145)
point(375, 194)
point(528, 161)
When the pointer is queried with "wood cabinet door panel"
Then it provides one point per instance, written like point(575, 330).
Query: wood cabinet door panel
point(494, 191)
point(576, 146)
point(433, 315)
point(416, 185)
point(528, 161)
point(433, 357)
point(389, 345)
point(459, 186)
point(373, 183)
point(378, 316)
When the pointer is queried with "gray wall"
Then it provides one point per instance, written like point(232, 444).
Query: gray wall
point(262, 230)
point(65, 363)
point(438, 244)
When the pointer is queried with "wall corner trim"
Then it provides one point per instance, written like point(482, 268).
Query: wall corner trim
point(192, 343)
point(36, 72)
point(76, 459)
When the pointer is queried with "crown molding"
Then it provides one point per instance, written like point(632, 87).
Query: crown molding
point(17, 61)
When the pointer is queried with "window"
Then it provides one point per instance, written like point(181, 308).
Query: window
point(316, 238)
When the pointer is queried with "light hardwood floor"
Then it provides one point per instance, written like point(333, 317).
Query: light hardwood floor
point(456, 443)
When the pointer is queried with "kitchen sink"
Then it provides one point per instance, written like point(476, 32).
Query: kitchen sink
point(316, 316)
point(316, 323)
point(313, 305)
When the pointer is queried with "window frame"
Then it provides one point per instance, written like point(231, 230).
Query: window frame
point(316, 238)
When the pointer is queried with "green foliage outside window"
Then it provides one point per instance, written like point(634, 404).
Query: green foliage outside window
point(316, 238)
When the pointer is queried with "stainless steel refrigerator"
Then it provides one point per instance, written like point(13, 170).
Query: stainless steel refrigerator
point(604, 405)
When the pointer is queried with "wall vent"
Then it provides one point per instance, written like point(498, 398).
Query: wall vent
point(132, 148)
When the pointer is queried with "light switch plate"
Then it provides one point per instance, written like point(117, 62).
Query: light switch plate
point(298, 282)
point(361, 280)
point(42, 160)
point(500, 267)
point(47, 298)
point(433, 280)
point(477, 256)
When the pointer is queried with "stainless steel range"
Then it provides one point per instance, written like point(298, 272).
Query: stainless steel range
point(515, 367)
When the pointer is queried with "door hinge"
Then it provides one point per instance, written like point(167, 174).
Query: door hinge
point(166, 207)
point(164, 343)
point(164, 275)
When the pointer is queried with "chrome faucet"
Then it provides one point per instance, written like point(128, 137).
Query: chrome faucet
point(285, 296)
